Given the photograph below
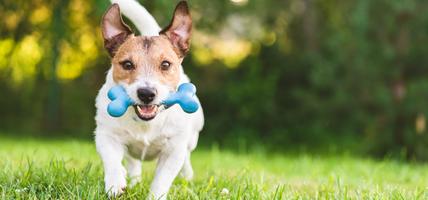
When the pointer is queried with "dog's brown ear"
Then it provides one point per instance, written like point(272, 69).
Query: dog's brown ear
point(180, 28)
point(114, 30)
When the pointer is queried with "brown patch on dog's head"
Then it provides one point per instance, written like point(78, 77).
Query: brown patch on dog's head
point(157, 57)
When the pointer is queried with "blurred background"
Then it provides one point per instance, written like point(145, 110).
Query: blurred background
point(274, 75)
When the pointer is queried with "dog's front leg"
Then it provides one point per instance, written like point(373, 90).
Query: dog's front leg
point(111, 152)
point(169, 164)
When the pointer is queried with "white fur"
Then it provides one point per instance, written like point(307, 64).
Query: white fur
point(170, 137)
point(142, 19)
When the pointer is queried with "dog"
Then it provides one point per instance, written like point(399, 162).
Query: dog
point(149, 68)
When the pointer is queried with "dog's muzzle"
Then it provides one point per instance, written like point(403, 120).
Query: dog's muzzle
point(146, 111)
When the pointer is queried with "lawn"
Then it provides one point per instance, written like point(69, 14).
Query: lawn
point(71, 169)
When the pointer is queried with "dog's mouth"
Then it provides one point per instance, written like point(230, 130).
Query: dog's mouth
point(146, 112)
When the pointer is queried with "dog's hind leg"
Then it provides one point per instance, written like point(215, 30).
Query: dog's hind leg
point(134, 170)
point(187, 171)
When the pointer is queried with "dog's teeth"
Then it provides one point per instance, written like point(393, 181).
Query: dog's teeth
point(139, 109)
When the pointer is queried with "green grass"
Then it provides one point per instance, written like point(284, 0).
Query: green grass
point(71, 169)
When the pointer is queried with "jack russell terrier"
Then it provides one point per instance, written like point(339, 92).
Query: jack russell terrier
point(149, 68)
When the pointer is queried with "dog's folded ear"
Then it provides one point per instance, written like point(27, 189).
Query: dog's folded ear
point(180, 29)
point(114, 30)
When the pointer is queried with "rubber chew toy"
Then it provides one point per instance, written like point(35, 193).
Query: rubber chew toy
point(120, 101)
point(185, 97)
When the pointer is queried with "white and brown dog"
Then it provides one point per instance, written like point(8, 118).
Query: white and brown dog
point(149, 68)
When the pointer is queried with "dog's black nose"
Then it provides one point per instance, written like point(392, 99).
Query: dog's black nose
point(146, 95)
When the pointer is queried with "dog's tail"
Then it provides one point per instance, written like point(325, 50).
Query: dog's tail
point(141, 18)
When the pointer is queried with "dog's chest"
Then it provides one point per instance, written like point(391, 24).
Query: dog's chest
point(147, 150)
point(146, 140)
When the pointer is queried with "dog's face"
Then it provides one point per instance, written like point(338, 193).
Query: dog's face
point(147, 67)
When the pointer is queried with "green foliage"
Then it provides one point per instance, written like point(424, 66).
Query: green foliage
point(287, 74)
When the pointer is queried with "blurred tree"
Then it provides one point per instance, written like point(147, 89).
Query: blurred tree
point(284, 73)
point(57, 31)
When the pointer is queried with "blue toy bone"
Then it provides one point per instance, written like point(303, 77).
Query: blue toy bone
point(185, 97)
point(120, 101)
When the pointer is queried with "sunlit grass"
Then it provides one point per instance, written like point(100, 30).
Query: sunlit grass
point(71, 169)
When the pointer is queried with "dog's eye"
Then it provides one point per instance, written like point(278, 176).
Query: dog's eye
point(165, 65)
point(127, 65)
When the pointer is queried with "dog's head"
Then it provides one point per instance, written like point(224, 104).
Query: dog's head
point(147, 66)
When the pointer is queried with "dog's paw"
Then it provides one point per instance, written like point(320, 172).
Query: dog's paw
point(115, 189)
point(134, 181)
point(187, 172)
point(115, 184)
